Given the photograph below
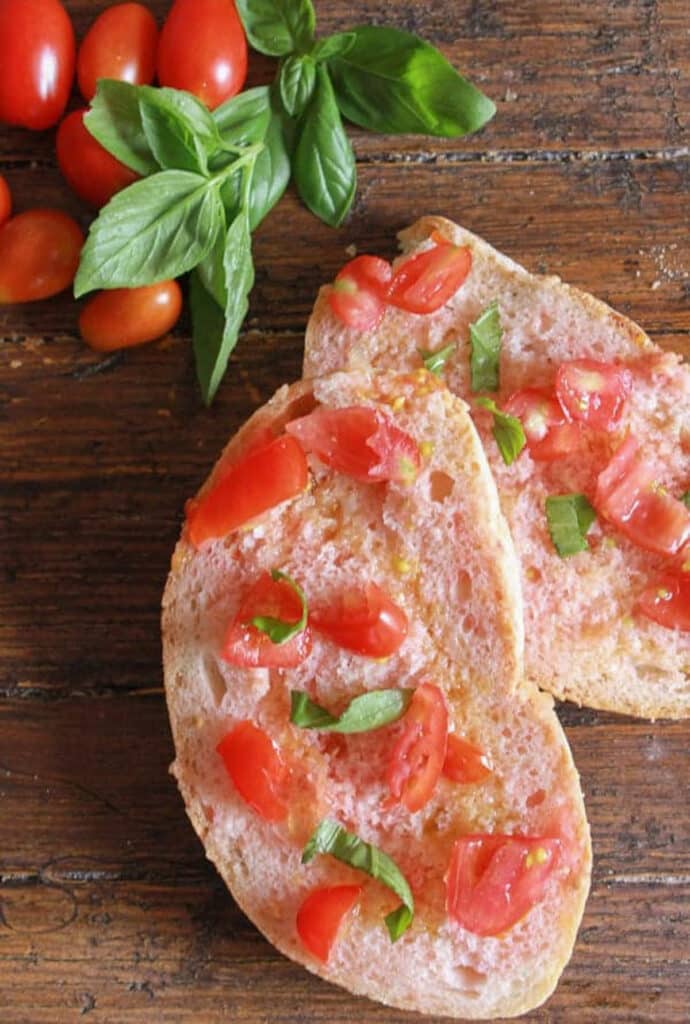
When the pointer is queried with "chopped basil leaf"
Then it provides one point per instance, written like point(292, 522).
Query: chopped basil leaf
point(277, 631)
point(330, 837)
point(507, 430)
point(569, 517)
point(435, 361)
point(486, 336)
point(685, 498)
point(367, 712)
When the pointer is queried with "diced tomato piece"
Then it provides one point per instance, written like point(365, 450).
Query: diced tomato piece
point(629, 496)
point(321, 914)
point(358, 294)
point(593, 392)
point(257, 770)
point(364, 620)
point(248, 647)
point(425, 282)
point(494, 880)
point(464, 762)
point(667, 601)
point(418, 756)
point(548, 429)
point(361, 442)
point(264, 478)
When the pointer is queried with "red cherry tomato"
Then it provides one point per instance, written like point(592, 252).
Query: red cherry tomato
point(87, 167)
point(125, 317)
point(667, 601)
point(362, 443)
point(464, 762)
point(321, 914)
point(36, 62)
point(5, 201)
point(257, 770)
point(425, 282)
point(249, 647)
point(593, 392)
point(418, 756)
point(629, 496)
point(494, 880)
point(121, 44)
point(363, 620)
point(264, 478)
point(203, 49)
point(550, 434)
point(358, 294)
point(39, 255)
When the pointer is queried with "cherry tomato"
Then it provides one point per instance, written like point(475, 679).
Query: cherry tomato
point(425, 282)
point(321, 914)
point(358, 294)
point(549, 432)
point(418, 756)
point(121, 44)
point(363, 620)
point(667, 601)
point(87, 167)
point(494, 880)
point(593, 392)
point(249, 647)
point(464, 762)
point(5, 201)
point(130, 316)
point(264, 478)
point(257, 770)
point(39, 255)
point(361, 442)
point(36, 62)
point(203, 49)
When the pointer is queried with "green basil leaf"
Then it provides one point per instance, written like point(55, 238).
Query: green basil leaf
point(391, 81)
point(569, 517)
point(156, 229)
point(208, 330)
point(114, 120)
point(297, 81)
point(363, 714)
point(348, 848)
point(324, 164)
point(333, 46)
point(685, 498)
point(507, 430)
point(486, 337)
point(278, 27)
point(435, 361)
point(179, 129)
point(278, 631)
point(243, 119)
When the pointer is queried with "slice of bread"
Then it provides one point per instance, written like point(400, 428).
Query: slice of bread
point(584, 640)
point(440, 547)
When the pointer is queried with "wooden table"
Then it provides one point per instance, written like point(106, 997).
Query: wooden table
point(108, 909)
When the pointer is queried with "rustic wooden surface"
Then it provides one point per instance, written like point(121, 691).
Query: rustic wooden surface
point(108, 909)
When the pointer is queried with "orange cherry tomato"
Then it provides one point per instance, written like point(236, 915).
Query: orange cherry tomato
point(257, 770)
point(321, 914)
point(427, 281)
point(39, 255)
point(89, 169)
point(419, 754)
point(125, 317)
point(248, 647)
point(358, 294)
point(364, 620)
point(667, 601)
point(121, 43)
point(5, 201)
point(464, 762)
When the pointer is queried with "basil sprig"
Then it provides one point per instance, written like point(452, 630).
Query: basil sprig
point(508, 432)
point(278, 631)
point(365, 713)
point(486, 336)
point(435, 362)
point(347, 847)
point(569, 518)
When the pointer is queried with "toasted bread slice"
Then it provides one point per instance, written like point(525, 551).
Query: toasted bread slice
point(440, 547)
point(584, 639)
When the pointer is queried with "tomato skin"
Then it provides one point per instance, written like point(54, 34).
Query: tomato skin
point(203, 49)
point(494, 880)
point(39, 255)
point(549, 432)
point(257, 770)
point(321, 914)
point(464, 762)
point(419, 754)
point(121, 43)
point(427, 281)
point(5, 201)
point(593, 392)
point(247, 647)
point(666, 601)
point(89, 169)
point(264, 478)
point(124, 317)
point(364, 620)
point(36, 62)
point(358, 294)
